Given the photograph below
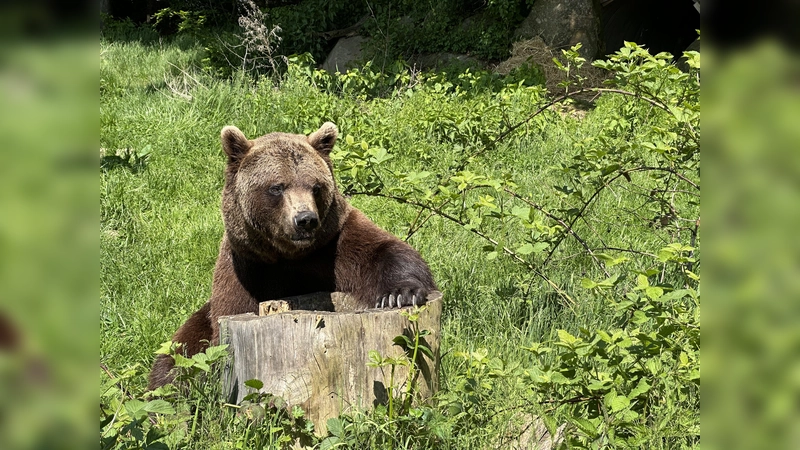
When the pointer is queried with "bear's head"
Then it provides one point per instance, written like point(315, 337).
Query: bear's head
point(280, 197)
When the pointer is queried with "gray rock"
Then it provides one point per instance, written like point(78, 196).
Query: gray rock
point(345, 54)
point(564, 23)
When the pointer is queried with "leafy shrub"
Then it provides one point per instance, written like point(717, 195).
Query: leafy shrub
point(615, 387)
point(170, 21)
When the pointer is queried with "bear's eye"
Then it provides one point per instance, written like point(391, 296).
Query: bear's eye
point(316, 188)
point(276, 189)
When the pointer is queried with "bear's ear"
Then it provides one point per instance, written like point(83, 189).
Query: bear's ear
point(234, 142)
point(323, 139)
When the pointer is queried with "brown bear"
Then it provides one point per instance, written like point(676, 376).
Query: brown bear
point(289, 231)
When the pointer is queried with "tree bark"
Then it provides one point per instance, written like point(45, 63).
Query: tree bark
point(315, 354)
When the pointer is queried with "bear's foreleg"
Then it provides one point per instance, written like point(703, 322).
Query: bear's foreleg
point(404, 277)
point(194, 336)
point(379, 269)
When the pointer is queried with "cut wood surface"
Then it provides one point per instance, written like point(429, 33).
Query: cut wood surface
point(315, 354)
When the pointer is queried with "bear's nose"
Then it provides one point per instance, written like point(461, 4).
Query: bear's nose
point(306, 220)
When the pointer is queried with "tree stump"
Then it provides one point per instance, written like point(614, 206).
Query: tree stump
point(313, 350)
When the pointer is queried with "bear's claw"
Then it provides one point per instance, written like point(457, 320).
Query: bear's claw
point(401, 299)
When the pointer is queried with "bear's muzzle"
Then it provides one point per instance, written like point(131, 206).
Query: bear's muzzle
point(306, 222)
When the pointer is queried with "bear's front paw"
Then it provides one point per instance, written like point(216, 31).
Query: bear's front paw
point(403, 297)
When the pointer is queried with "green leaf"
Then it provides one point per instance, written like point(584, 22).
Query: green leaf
point(522, 213)
point(665, 254)
point(165, 349)
point(630, 415)
point(335, 427)
point(654, 292)
point(217, 352)
point(639, 317)
point(609, 282)
point(550, 423)
point(135, 408)
point(375, 359)
point(380, 155)
point(641, 388)
point(585, 425)
point(152, 437)
point(540, 246)
point(526, 249)
point(599, 385)
point(609, 169)
point(615, 402)
point(159, 406)
point(587, 283)
point(676, 294)
point(427, 351)
point(330, 442)
point(203, 366)
point(182, 361)
point(480, 354)
point(255, 384)
point(566, 338)
point(558, 378)
point(403, 341)
point(653, 365)
point(611, 260)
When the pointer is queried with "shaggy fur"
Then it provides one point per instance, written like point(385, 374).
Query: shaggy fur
point(288, 231)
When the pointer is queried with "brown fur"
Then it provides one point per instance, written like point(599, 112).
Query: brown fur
point(288, 231)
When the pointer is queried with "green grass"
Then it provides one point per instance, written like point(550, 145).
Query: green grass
point(161, 225)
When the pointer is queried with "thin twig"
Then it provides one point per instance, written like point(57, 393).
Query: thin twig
point(665, 169)
point(566, 227)
point(607, 183)
point(618, 249)
point(580, 213)
point(411, 227)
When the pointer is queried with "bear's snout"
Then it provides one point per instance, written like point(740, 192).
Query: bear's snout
point(306, 220)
